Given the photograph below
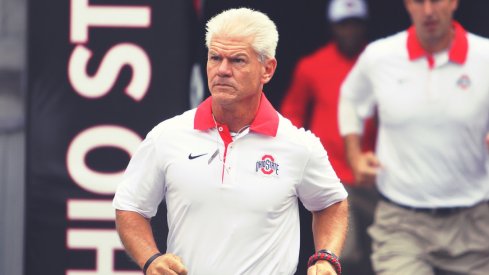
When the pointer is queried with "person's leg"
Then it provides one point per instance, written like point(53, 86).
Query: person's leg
point(352, 253)
point(355, 258)
point(396, 250)
point(465, 247)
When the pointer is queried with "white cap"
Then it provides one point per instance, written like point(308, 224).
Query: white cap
point(343, 9)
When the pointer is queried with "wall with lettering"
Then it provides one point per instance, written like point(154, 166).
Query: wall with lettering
point(101, 74)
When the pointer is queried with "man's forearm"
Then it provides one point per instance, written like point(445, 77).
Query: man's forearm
point(353, 148)
point(136, 235)
point(329, 227)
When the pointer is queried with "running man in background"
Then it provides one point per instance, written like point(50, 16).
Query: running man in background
point(431, 90)
point(316, 83)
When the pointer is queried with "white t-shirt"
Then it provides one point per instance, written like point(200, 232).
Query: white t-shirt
point(433, 117)
point(235, 212)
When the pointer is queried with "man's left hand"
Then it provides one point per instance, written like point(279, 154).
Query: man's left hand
point(321, 268)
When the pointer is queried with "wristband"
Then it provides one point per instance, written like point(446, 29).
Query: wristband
point(149, 261)
point(326, 255)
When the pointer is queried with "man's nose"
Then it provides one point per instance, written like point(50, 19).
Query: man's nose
point(428, 7)
point(224, 68)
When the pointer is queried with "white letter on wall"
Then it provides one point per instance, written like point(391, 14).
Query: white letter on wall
point(117, 57)
point(93, 138)
point(104, 242)
point(84, 16)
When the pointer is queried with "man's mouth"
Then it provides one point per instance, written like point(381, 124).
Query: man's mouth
point(430, 25)
point(222, 84)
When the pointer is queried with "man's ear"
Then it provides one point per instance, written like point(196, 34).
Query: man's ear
point(269, 66)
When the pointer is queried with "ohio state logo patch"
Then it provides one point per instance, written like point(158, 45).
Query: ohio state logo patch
point(464, 82)
point(267, 165)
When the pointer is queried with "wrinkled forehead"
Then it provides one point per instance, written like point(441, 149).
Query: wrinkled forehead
point(231, 45)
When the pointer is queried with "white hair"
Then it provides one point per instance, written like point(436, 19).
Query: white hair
point(245, 22)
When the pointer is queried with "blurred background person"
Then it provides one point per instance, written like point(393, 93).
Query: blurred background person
point(430, 86)
point(312, 102)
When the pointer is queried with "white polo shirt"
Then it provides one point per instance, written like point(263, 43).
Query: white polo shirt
point(237, 212)
point(434, 115)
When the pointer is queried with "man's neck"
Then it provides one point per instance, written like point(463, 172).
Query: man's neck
point(350, 52)
point(437, 45)
point(234, 118)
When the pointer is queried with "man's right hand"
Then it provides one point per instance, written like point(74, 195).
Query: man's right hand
point(167, 264)
point(365, 168)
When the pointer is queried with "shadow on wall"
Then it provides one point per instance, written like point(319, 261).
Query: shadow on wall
point(11, 173)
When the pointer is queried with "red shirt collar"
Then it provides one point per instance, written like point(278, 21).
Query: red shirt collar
point(458, 51)
point(265, 122)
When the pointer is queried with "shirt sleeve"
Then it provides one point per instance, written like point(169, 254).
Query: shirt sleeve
point(357, 100)
point(143, 185)
point(320, 186)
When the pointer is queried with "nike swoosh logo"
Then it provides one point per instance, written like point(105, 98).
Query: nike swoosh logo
point(196, 156)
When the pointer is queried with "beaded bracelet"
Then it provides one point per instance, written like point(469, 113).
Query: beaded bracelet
point(326, 255)
point(149, 261)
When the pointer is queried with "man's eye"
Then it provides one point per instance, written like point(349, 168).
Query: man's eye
point(214, 58)
point(238, 60)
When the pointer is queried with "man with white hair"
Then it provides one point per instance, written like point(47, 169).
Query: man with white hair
point(231, 172)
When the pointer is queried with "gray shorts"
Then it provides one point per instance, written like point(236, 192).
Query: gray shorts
point(406, 242)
